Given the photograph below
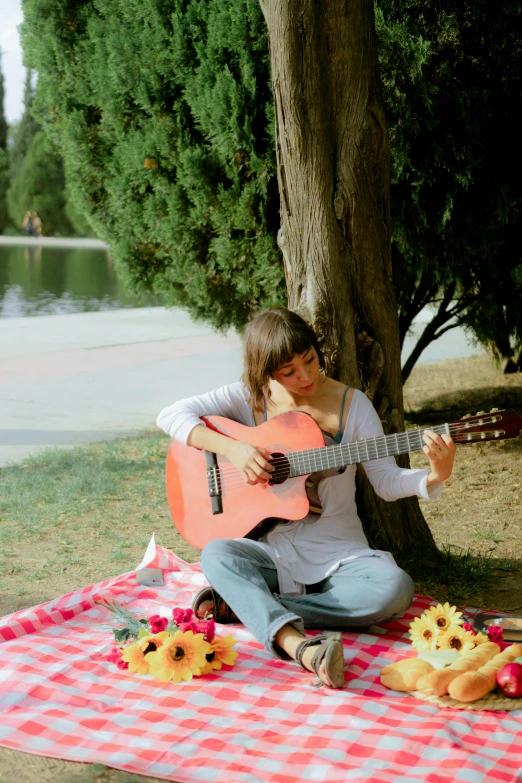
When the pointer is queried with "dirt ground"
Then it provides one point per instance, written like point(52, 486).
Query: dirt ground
point(480, 510)
point(481, 506)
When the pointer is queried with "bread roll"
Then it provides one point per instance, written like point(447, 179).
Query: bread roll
point(403, 675)
point(475, 685)
point(436, 683)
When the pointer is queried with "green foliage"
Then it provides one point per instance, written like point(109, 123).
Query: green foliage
point(3, 121)
point(4, 185)
point(164, 116)
point(4, 162)
point(452, 84)
point(39, 185)
point(25, 130)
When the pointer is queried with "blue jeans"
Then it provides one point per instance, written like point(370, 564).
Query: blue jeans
point(362, 592)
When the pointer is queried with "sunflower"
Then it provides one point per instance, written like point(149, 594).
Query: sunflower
point(423, 633)
point(180, 657)
point(480, 638)
point(444, 616)
point(221, 653)
point(456, 639)
point(136, 654)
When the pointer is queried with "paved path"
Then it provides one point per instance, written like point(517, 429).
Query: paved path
point(87, 242)
point(84, 377)
point(67, 379)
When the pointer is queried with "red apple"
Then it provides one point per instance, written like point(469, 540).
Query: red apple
point(510, 680)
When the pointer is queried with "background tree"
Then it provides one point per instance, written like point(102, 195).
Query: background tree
point(37, 179)
point(452, 77)
point(334, 179)
point(4, 162)
point(24, 130)
point(163, 113)
point(39, 185)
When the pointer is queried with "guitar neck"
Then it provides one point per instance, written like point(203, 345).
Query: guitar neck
point(343, 454)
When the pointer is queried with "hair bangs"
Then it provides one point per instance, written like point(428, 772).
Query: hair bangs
point(284, 345)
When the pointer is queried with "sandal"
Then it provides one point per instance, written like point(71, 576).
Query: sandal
point(331, 651)
point(222, 613)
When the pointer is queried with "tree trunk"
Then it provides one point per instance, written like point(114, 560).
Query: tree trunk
point(333, 172)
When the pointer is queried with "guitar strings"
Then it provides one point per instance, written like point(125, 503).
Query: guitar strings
point(229, 476)
point(346, 446)
point(337, 450)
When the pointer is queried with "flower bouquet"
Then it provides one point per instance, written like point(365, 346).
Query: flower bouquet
point(176, 649)
point(442, 627)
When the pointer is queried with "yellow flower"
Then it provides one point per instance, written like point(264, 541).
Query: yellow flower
point(444, 616)
point(480, 638)
point(136, 654)
point(221, 653)
point(423, 633)
point(180, 657)
point(456, 639)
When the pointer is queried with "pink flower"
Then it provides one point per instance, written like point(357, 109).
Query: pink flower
point(157, 624)
point(207, 627)
point(190, 626)
point(182, 616)
point(114, 655)
point(469, 627)
point(495, 633)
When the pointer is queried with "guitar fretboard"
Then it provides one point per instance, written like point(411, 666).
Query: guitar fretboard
point(344, 454)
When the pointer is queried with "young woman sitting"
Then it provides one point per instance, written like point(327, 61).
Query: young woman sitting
point(317, 572)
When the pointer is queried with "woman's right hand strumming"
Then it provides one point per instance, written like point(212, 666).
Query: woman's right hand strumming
point(251, 461)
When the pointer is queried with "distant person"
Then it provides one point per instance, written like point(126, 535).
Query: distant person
point(36, 225)
point(27, 223)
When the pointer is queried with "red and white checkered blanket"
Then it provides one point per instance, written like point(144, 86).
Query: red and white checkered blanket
point(262, 720)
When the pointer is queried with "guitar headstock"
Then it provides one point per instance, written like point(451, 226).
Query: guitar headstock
point(495, 425)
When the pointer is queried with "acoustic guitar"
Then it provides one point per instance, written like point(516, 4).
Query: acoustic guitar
point(209, 499)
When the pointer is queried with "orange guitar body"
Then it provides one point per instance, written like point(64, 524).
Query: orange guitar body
point(244, 505)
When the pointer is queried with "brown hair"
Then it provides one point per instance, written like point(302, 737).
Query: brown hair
point(272, 338)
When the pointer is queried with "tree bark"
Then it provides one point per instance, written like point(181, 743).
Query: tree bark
point(333, 172)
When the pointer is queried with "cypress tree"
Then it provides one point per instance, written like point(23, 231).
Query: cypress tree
point(26, 128)
point(4, 162)
point(37, 179)
point(39, 186)
point(163, 113)
point(452, 82)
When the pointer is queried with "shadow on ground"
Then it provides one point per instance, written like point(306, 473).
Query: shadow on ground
point(453, 405)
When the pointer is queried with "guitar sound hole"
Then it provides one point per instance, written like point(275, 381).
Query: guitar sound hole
point(282, 468)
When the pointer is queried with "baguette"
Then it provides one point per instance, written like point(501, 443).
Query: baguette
point(436, 683)
point(403, 675)
point(471, 686)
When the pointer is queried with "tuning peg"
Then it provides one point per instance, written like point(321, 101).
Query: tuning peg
point(494, 410)
point(480, 413)
point(467, 416)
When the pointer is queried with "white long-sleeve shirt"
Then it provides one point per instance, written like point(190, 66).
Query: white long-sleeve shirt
point(310, 549)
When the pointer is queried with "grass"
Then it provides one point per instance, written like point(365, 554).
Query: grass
point(74, 517)
point(463, 577)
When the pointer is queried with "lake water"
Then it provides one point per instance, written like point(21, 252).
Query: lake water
point(37, 280)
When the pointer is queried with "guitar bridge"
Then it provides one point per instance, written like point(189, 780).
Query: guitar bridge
point(214, 486)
